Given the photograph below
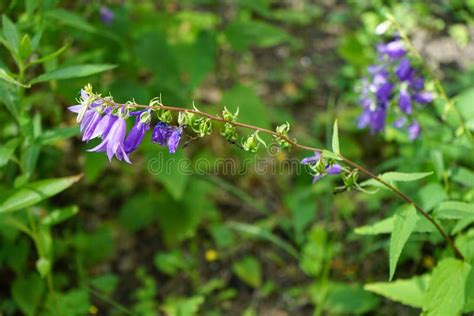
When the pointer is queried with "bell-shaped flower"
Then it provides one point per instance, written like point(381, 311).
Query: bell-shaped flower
point(113, 143)
point(328, 169)
point(136, 134)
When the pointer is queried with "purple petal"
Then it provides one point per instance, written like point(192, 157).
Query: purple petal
point(75, 108)
point(414, 130)
point(404, 102)
point(104, 126)
point(424, 97)
point(334, 169)
point(174, 139)
point(400, 122)
point(394, 49)
point(91, 126)
point(384, 91)
point(161, 133)
point(136, 135)
point(404, 70)
point(312, 159)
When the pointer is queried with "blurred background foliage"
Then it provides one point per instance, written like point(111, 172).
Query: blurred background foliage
point(125, 241)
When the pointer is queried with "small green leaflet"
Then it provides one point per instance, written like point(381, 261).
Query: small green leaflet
point(59, 215)
point(5, 76)
point(403, 225)
point(335, 139)
point(73, 72)
point(35, 192)
point(409, 292)
point(446, 292)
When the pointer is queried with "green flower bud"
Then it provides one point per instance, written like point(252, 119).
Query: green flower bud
point(205, 127)
point(145, 117)
point(229, 116)
point(229, 132)
point(186, 118)
point(164, 116)
point(252, 143)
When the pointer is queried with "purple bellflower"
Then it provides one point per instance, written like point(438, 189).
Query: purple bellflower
point(393, 80)
point(113, 143)
point(137, 133)
point(166, 135)
point(106, 15)
point(329, 169)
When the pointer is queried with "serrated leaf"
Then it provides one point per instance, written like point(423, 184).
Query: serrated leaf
point(35, 192)
point(409, 292)
point(335, 139)
point(446, 292)
point(454, 210)
point(73, 72)
point(403, 225)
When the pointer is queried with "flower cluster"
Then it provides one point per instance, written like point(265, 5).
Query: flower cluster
point(99, 119)
point(393, 80)
point(320, 166)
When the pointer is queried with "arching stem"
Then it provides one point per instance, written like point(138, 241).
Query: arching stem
point(293, 142)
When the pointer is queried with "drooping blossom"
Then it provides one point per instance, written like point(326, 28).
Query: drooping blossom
point(167, 135)
point(113, 143)
point(329, 169)
point(136, 134)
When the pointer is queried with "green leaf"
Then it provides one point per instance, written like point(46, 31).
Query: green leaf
point(343, 299)
point(73, 72)
point(409, 292)
point(35, 192)
point(27, 293)
point(171, 171)
point(385, 226)
point(463, 176)
point(242, 34)
point(404, 177)
point(7, 150)
point(454, 210)
point(330, 155)
point(5, 76)
point(138, 211)
point(248, 270)
point(170, 262)
point(177, 306)
point(251, 108)
point(264, 234)
point(11, 33)
point(59, 215)
point(446, 292)
point(335, 139)
point(58, 134)
point(71, 19)
point(50, 56)
point(403, 225)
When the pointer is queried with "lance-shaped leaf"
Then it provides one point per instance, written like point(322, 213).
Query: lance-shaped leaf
point(35, 192)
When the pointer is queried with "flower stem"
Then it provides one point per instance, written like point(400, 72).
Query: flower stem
point(293, 142)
